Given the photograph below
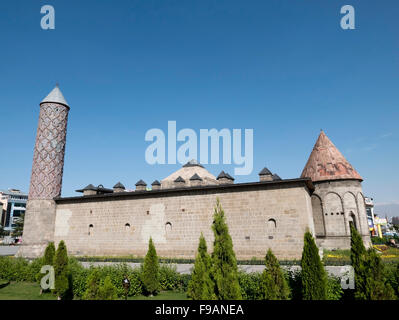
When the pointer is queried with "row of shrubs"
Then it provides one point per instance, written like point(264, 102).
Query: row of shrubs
point(22, 270)
point(19, 270)
point(383, 240)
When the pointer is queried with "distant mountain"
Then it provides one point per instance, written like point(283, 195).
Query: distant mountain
point(387, 209)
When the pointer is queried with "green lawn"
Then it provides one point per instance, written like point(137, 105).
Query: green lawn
point(31, 291)
point(24, 291)
point(390, 255)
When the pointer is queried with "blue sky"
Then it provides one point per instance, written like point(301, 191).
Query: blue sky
point(283, 68)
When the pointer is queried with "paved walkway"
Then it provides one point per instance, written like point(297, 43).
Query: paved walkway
point(8, 250)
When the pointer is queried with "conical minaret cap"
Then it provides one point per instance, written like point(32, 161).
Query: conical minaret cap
point(55, 96)
point(326, 163)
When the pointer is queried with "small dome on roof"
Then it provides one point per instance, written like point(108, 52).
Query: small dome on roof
point(224, 175)
point(141, 183)
point(196, 177)
point(119, 186)
point(193, 163)
point(265, 172)
point(180, 179)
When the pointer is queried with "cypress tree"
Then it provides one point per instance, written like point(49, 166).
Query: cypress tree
point(47, 260)
point(377, 287)
point(224, 264)
point(92, 285)
point(370, 274)
point(150, 273)
point(200, 286)
point(49, 253)
point(107, 290)
point(61, 271)
point(314, 277)
point(273, 283)
point(358, 261)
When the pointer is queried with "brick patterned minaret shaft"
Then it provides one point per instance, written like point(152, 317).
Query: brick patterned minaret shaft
point(48, 158)
point(46, 177)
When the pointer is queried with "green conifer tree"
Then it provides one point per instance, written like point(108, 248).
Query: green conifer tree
point(377, 286)
point(107, 290)
point(47, 260)
point(150, 273)
point(358, 258)
point(224, 265)
point(201, 286)
point(314, 277)
point(273, 283)
point(61, 271)
point(93, 285)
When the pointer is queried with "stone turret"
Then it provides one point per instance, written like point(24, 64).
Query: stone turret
point(46, 177)
point(265, 175)
point(224, 178)
point(179, 182)
point(156, 185)
point(119, 187)
point(141, 186)
point(195, 180)
point(338, 199)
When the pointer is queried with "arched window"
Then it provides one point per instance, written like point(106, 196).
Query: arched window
point(168, 227)
point(127, 226)
point(91, 229)
point(271, 228)
point(352, 219)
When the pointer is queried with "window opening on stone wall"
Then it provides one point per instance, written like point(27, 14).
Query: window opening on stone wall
point(168, 227)
point(127, 226)
point(148, 212)
point(271, 228)
point(90, 229)
point(352, 220)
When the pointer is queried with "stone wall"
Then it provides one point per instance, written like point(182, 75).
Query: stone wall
point(38, 228)
point(335, 205)
point(259, 216)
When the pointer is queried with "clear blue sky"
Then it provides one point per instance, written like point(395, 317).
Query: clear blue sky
point(284, 68)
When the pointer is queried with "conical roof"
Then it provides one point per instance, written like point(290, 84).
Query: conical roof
point(55, 96)
point(193, 163)
point(141, 183)
point(179, 179)
point(196, 177)
point(186, 172)
point(326, 162)
point(119, 185)
point(265, 172)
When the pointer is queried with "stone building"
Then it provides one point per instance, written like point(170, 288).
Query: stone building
point(269, 213)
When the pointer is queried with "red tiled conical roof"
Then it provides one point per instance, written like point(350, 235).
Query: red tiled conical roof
point(327, 163)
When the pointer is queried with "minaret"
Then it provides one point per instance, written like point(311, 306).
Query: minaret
point(338, 200)
point(46, 178)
